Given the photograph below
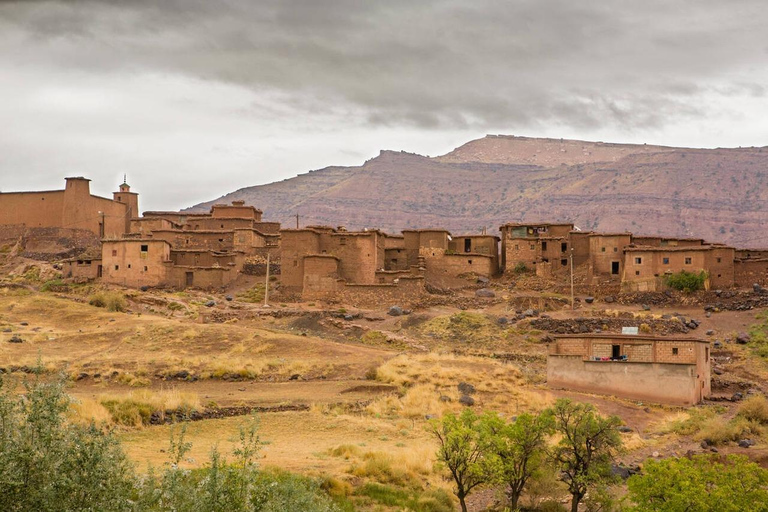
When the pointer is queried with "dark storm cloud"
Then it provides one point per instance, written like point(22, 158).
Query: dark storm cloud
point(431, 64)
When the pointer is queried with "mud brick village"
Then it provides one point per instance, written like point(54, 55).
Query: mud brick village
point(368, 335)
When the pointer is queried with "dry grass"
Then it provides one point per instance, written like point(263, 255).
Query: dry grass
point(132, 409)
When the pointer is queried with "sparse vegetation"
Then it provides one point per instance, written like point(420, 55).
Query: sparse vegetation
point(520, 268)
point(111, 301)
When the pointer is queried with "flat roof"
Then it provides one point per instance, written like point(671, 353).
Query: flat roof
point(673, 248)
point(534, 224)
point(611, 234)
point(645, 337)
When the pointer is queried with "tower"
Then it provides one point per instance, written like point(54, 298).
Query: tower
point(131, 199)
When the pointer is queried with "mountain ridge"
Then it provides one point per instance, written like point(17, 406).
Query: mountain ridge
point(718, 194)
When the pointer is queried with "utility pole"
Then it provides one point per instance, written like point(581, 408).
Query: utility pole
point(266, 284)
point(573, 302)
point(297, 221)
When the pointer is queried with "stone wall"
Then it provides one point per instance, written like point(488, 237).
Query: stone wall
point(405, 292)
point(750, 271)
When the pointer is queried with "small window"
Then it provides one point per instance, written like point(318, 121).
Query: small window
point(117, 267)
point(674, 351)
point(343, 240)
point(719, 260)
point(665, 261)
point(638, 261)
point(615, 351)
point(295, 263)
point(145, 268)
point(533, 247)
point(687, 261)
point(221, 239)
point(564, 262)
point(114, 252)
point(467, 245)
point(543, 246)
point(602, 249)
point(469, 261)
point(563, 247)
point(222, 226)
point(129, 265)
point(517, 247)
point(615, 249)
point(144, 248)
point(637, 272)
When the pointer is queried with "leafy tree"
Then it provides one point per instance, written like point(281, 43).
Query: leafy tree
point(515, 451)
point(586, 448)
point(703, 483)
point(460, 450)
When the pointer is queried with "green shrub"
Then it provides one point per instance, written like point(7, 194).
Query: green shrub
point(52, 285)
point(374, 338)
point(112, 301)
point(130, 413)
point(686, 281)
point(520, 268)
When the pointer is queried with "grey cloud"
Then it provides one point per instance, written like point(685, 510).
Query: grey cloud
point(432, 64)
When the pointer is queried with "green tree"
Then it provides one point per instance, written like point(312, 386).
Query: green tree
point(515, 452)
point(460, 450)
point(586, 448)
point(702, 483)
point(47, 464)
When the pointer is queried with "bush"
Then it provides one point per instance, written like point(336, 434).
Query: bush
point(130, 413)
point(112, 301)
point(755, 408)
point(52, 285)
point(686, 281)
point(520, 268)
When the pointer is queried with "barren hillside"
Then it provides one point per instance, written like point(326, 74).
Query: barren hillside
point(718, 194)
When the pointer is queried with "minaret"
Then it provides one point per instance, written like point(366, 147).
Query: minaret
point(125, 196)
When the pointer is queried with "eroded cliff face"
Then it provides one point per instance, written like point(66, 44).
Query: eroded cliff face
point(717, 194)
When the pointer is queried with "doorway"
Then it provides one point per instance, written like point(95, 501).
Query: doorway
point(615, 268)
point(615, 351)
point(190, 278)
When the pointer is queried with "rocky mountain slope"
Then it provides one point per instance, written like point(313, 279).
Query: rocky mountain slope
point(717, 194)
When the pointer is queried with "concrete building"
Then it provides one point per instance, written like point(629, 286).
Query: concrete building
point(672, 370)
point(74, 207)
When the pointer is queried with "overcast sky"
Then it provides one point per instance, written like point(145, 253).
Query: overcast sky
point(195, 98)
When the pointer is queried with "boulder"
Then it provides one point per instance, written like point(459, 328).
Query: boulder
point(624, 429)
point(737, 397)
point(528, 313)
point(15, 339)
point(444, 398)
point(589, 300)
point(144, 288)
point(743, 338)
point(229, 298)
point(502, 321)
point(210, 303)
point(709, 332)
point(609, 299)
point(718, 344)
point(295, 376)
point(483, 280)
point(485, 292)
point(395, 311)
point(708, 314)
point(467, 400)
point(466, 389)
point(349, 318)
point(746, 443)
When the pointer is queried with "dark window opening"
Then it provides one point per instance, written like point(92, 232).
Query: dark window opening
point(145, 268)
point(564, 262)
point(533, 247)
point(221, 239)
point(545, 260)
point(665, 261)
point(144, 248)
point(602, 249)
point(719, 260)
point(189, 278)
point(563, 247)
point(638, 261)
point(615, 351)
point(615, 249)
point(674, 351)
point(543, 246)
point(615, 267)
point(467, 245)
point(687, 261)
point(129, 265)
point(469, 261)
point(117, 267)
point(637, 272)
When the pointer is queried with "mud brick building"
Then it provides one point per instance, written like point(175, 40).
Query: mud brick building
point(646, 267)
point(534, 244)
point(672, 370)
point(74, 208)
point(179, 249)
point(606, 253)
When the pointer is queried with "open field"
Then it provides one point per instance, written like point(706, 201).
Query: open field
point(342, 394)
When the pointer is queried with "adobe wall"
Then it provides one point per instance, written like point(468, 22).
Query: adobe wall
point(268, 228)
point(202, 277)
point(360, 255)
point(648, 274)
point(580, 244)
point(604, 250)
point(146, 225)
point(211, 223)
point(294, 246)
point(239, 211)
point(748, 272)
point(81, 269)
point(124, 263)
point(521, 250)
point(209, 240)
point(406, 291)
point(395, 259)
point(653, 382)
point(720, 265)
point(202, 258)
point(49, 244)
point(453, 265)
point(321, 276)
